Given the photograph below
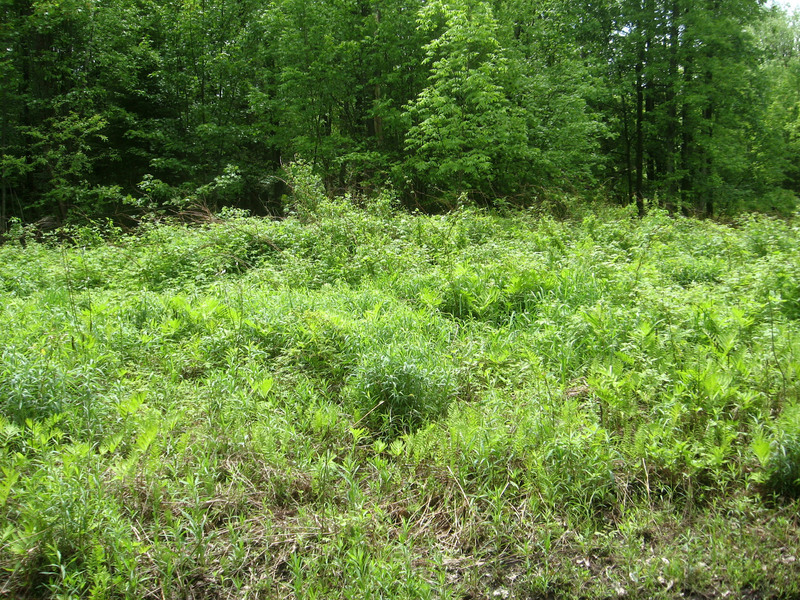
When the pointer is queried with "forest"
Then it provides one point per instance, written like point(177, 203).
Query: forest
point(399, 299)
point(111, 106)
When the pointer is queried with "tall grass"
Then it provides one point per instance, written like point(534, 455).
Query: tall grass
point(354, 402)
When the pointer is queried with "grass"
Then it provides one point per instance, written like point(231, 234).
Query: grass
point(358, 403)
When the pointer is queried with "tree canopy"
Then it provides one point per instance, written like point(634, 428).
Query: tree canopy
point(693, 104)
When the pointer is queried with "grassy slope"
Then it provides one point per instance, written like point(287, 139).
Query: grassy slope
point(356, 406)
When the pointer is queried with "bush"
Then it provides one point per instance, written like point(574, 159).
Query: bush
point(399, 390)
point(783, 468)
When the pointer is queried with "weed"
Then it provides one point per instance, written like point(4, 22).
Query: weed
point(367, 403)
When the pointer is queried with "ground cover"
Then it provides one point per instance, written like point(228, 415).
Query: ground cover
point(361, 403)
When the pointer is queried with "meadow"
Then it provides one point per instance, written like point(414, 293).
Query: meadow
point(361, 402)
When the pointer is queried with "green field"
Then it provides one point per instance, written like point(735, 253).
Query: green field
point(356, 402)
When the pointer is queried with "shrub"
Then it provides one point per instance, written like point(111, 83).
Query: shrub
point(783, 467)
point(31, 389)
point(399, 390)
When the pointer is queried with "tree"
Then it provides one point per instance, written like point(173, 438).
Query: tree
point(776, 140)
point(466, 134)
point(686, 81)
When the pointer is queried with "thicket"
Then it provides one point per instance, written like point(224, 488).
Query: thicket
point(109, 106)
point(353, 403)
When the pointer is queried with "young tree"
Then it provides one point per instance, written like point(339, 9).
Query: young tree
point(466, 134)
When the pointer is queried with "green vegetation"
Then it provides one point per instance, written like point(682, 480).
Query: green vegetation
point(106, 107)
point(364, 403)
point(480, 351)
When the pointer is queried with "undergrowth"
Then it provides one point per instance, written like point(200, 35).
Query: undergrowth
point(358, 403)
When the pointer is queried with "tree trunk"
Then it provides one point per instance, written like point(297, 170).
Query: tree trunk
point(377, 120)
point(687, 137)
point(639, 192)
point(3, 183)
point(671, 132)
point(708, 117)
point(627, 136)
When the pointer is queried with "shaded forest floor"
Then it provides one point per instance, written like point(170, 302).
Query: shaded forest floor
point(361, 403)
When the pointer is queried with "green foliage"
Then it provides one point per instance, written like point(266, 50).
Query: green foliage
point(783, 464)
point(307, 190)
point(356, 398)
point(466, 133)
point(692, 107)
point(398, 389)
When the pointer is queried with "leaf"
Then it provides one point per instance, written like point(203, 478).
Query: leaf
point(11, 477)
point(148, 436)
point(762, 448)
point(263, 387)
